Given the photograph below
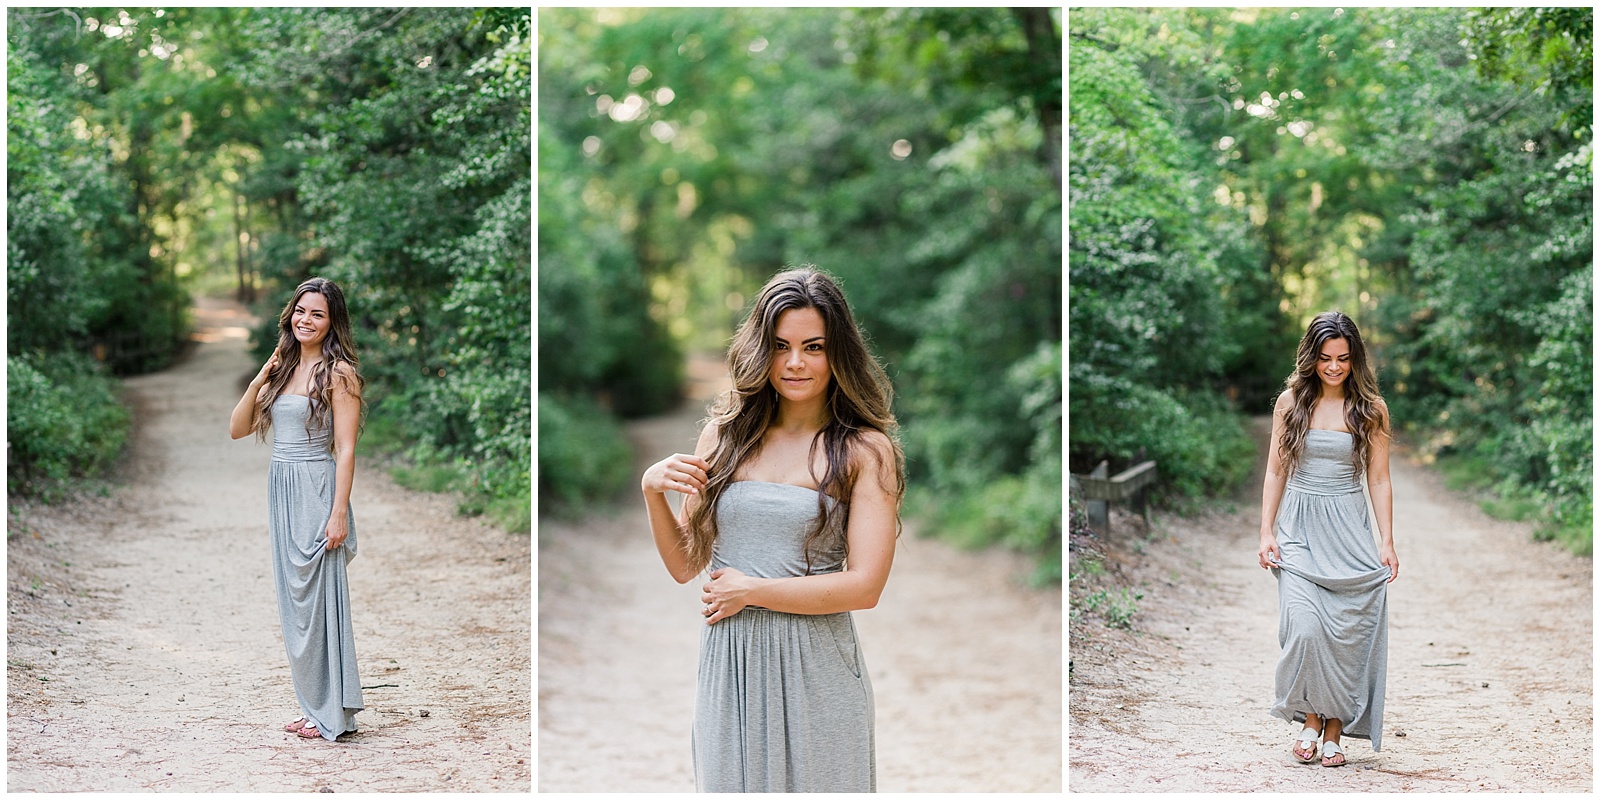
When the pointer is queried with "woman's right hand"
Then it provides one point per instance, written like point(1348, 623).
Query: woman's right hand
point(678, 472)
point(272, 363)
point(1268, 555)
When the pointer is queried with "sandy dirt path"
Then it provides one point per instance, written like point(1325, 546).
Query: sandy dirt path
point(1490, 662)
point(965, 662)
point(143, 646)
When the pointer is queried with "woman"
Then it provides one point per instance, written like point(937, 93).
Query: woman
point(792, 500)
point(1329, 428)
point(309, 391)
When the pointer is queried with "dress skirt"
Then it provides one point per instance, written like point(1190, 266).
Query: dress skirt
point(1332, 596)
point(314, 594)
point(783, 704)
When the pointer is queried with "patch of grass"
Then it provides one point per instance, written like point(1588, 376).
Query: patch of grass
point(424, 469)
point(514, 514)
point(381, 433)
point(1089, 566)
point(1117, 606)
point(1011, 512)
point(1512, 508)
point(429, 477)
point(1507, 500)
point(1577, 537)
point(1463, 472)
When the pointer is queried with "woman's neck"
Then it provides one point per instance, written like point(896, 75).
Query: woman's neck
point(800, 418)
point(310, 354)
point(1333, 392)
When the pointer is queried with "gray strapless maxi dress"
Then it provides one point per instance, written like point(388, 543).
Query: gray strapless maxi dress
point(1333, 620)
point(313, 593)
point(782, 702)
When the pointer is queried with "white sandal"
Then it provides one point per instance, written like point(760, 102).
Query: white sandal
point(1334, 746)
point(1306, 741)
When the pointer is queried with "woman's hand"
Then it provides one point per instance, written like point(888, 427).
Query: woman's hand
point(267, 368)
point(726, 594)
point(336, 531)
point(1268, 555)
point(1388, 558)
point(677, 472)
point(242, 421)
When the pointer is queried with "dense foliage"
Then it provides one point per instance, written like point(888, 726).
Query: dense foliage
point(914, 154)
point(63, 420)
point(415, 190)
point(1428, 171)
point(155, 151)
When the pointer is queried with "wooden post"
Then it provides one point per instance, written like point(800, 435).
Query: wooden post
point(1099, 510)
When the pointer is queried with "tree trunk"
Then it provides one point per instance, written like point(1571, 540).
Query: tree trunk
point(241, 249)
point(1044, 48)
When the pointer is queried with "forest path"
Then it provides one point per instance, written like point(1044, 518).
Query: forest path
point(144, 650)
point(965, 662)
point(1489, 677)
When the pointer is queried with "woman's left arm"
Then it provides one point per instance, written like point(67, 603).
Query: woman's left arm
point(1382, 494)
point(874, 510)
point(346, 421)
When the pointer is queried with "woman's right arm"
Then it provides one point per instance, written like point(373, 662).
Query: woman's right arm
point(1272, 486)
point(244, 414)
point(678, 473)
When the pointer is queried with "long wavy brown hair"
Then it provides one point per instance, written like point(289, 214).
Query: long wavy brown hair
point(1361, 396)
point(859, 398)
point(338, 347)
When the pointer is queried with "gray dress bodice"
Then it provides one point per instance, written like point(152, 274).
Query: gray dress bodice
point(762, 529)
point(290, 439)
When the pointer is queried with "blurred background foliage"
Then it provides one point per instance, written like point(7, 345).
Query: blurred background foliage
point(159, 153)
point(687, 155)
point(1427, 171)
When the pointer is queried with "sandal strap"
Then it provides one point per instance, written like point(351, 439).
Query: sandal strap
point(1331, 745)
point(1308, 735)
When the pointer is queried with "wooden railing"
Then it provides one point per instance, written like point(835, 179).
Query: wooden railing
point(1127, 486)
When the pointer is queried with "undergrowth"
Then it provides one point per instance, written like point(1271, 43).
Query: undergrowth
point(423, 469)
point(1507, 499)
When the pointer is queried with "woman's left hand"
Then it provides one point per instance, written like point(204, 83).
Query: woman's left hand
point(1387, 557)
point(724, 595)
point(336, 531)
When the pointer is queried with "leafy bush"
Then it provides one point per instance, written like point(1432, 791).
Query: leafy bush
point(1168, 299)
point(64, 420)
point(1200, 447)
point(1021, 511)
point(437, 276)
point(80, 271)
point(583, 454)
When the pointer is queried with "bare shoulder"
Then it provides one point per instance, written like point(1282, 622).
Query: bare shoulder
point(876, 442)
point(874, 454)
point(708, 439)
point(1282, 405)
point(346, 378)
point(1382, 410)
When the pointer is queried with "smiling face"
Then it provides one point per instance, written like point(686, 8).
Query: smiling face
point(310, 321)
point(800, 370)
point(1333, 362)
